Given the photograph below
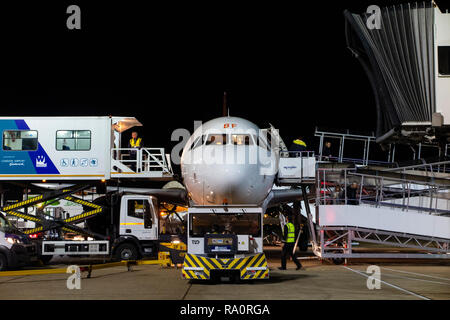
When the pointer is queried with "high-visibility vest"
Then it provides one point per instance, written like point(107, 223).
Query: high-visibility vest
point(299, 142)
point(291, 233)
point(135, 143)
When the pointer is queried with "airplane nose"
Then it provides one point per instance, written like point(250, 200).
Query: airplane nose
point(232, 184)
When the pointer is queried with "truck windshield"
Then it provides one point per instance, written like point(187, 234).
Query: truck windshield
point(208, 223)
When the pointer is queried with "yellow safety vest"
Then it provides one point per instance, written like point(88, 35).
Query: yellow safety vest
point(136, 143)
point(299, 142)
point(291, 233)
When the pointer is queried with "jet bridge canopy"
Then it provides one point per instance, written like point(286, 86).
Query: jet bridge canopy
point(404, 61)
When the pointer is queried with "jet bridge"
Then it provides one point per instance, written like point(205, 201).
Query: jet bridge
point(406, 59)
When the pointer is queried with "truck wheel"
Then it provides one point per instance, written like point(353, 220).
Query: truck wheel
point(338, 261)
point(3, 263)
point(45, 259)
point(126, 251)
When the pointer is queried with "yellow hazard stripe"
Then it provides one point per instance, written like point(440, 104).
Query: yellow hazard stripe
point(242, 263)
point(18, 204)
point(30, 231)
point(260, 262)
point(205, 270)
point(230, 266)
point(23, 216)
point(86, 203)
point(188, 262)
point(214, 261)
point(207, 263)
point(83, 215)
point(252, 259)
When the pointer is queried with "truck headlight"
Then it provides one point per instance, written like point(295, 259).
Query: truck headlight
point(12, 240)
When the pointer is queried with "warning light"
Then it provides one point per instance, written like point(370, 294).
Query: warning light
point(103, 180)
point(44, 181)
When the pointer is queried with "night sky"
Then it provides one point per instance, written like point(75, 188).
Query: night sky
point(169, 64)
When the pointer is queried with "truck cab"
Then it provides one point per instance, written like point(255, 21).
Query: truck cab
point(138, 227)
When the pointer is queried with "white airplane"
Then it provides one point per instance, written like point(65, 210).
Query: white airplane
point(228, 160)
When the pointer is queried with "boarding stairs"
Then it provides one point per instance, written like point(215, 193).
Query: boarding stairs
point(391, 208)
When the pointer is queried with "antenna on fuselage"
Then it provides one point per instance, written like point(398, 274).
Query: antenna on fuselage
point(224, 106)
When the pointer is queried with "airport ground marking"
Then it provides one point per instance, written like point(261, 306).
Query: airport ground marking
point(417, 279)
point(389, 284)
point(418, 274)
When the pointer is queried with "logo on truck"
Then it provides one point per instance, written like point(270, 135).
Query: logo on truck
point(41, 162)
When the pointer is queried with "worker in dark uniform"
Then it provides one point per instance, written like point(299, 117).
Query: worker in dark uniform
point(297, 146)
point(326, 151)
point(134, 143)
point(288, 247)
point(352, 197)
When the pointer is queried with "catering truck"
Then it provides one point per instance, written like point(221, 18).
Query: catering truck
point(117, 225)
point(128, 229)
point(79, 160)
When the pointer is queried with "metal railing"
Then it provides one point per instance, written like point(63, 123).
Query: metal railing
point(296, 154)
point(429, 168)
point(132, 160)
point(303, 167)
point(333, 187)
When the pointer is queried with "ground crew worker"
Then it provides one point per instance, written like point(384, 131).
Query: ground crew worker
point(297, 146)
point(288, 247)
point(135, 143)
point(326, 151)
point(214, 229)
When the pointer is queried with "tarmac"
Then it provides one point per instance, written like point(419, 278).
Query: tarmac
point(318, 281)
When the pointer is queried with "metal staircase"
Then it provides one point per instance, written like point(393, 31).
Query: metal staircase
point(383, 212)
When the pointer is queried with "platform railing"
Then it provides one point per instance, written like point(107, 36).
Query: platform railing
point(333, 188)
point(296, 166)
point(143, 160)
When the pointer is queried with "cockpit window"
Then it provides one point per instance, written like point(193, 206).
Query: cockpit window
point(259, 141)
point(241, 139)
point(216, 139)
